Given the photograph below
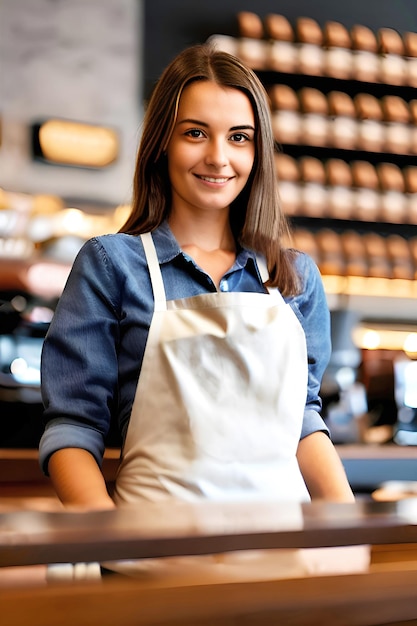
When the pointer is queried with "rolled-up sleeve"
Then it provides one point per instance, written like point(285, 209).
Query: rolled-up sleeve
point(79, 367)
point(312, 310)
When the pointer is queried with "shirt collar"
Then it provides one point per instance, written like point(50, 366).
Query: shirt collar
point(167, 248)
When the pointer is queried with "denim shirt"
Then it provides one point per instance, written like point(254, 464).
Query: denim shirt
point(93, 351)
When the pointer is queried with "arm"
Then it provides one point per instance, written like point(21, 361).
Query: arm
point(79, 379)
point(322, 469)
point(78, 481)
point(319, 462)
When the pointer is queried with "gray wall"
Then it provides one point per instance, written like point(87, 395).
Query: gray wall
point(74, 59)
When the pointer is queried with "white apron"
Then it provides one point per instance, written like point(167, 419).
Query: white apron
point(219, 405)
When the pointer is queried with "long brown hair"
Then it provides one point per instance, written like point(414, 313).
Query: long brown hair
point(256, 217)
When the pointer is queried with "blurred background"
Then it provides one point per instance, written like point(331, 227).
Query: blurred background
point(341, 78)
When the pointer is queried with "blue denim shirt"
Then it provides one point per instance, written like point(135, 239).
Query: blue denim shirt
point(93, 351)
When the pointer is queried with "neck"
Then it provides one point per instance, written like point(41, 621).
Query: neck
point(203, 231)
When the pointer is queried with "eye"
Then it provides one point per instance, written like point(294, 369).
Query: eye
point(240, 138)
point(195, 133)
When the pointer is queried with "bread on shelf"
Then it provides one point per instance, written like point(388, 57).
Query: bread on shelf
point(410, 51)
point(315, 123)
point(366, 186)
point(343, 124)
point(365, 60)
point(393, 200)
point(338, 55)
point(393, 66)
point(355, 253)
point(286, 116)
point(397, 118)
point(309, 38)
point(289, 182)
point(314, 199)
point(410, 179)
point(399, 253)
point(249, 24)
point(371, 135)
point(305, 241)
point(379, 265)
point(412, 243)
point(252, 48)
point(332, 259)
point(340, 194)
point(412, 107)
point(282, 52)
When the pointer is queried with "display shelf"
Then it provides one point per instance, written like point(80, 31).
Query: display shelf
point(327, 152)
point(329, 83)
point(376, 298)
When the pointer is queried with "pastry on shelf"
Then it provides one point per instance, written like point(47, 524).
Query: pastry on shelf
point(309, 36)
point(315, 122)
point(400, 255)
point(371, 135)
point(412, 243)
point(332, 259)
point(412, 107)
point(379, 265)
point(343, 124)
point(286, 116)
point(393, 65)
point(365, 59)
point(410, 51)
point(338, 54)
point(282, 52)
point(366, 191)
point(305, 241)
point(250, 25)
point(410, 178)
point(340, 193)
point(252, 48)
point(313, 191)
point(397, 119)
point(393, 199)
point(355, 253)
point(289, 182)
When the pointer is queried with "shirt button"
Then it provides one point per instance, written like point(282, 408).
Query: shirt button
point(224, 285)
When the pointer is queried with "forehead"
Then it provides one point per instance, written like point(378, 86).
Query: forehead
point(206, 98)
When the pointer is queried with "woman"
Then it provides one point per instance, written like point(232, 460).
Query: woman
point(195, 327)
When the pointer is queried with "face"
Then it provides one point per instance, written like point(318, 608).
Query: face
point(212, 148)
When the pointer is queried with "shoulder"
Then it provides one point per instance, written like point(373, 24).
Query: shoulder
point(126, 246)
point(117, 243)
point(111, 253)
point(307, 271)
point(311, 300)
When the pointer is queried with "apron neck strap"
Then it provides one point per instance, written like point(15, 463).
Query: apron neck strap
point(263, 270)
point(264, 274)
point(155, 272)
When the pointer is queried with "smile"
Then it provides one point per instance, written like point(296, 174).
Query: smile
point(210, 179)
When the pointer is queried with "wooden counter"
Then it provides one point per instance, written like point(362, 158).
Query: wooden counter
point(384, 596)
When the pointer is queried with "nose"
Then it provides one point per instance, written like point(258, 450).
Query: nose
point(216, 154)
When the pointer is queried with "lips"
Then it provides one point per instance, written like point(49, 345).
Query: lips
point(212, 179)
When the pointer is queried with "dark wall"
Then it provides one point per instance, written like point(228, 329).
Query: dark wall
point(171, 25)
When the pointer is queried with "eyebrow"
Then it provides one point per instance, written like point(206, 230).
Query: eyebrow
point(200, 123)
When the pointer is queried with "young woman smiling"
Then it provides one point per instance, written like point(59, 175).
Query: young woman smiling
point(194, 327)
